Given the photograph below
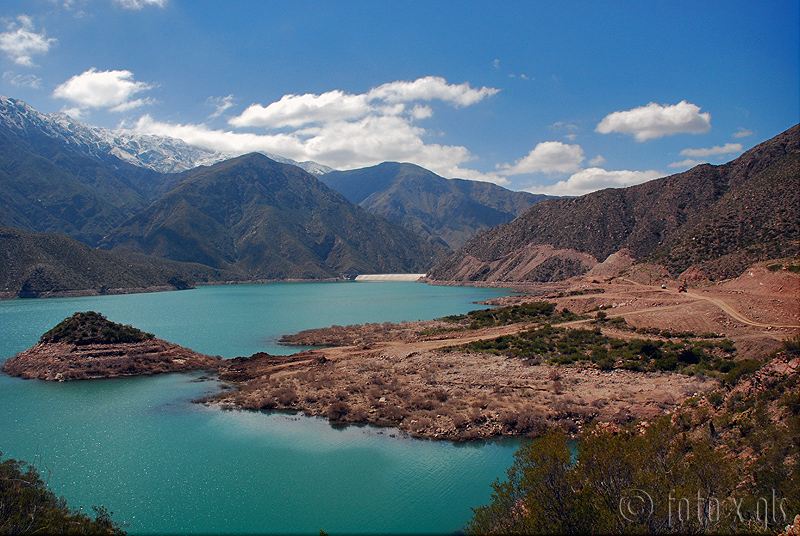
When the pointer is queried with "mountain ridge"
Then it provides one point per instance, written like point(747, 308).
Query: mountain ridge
point(272, 221)
point(156, 153)
point(640, 218)
point(448, 210)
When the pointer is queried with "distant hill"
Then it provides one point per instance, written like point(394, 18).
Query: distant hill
point(241, 219)
point(720, 217)
point(450, 210)
point(270, 221)
point(36, 264)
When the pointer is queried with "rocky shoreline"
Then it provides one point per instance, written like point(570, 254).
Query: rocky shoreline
point(414, 376)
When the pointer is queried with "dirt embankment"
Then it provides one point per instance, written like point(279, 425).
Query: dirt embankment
point(64, 361)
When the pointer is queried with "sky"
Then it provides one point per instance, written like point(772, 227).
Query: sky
point(561, 98)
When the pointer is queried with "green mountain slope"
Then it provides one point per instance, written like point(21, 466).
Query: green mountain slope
point(271, 221)
point(54, 189)
point(439, 209)
point(35, 264)
point(650, 216)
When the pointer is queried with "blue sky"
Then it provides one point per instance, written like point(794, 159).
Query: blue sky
point(552, 97)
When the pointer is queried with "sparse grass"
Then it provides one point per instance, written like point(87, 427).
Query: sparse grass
point(512, 314)
point(567, 346)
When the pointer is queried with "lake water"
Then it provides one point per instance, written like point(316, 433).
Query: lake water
point(164, 465)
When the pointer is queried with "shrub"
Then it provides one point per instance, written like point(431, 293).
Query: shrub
point(28, 506)
point(93, 328)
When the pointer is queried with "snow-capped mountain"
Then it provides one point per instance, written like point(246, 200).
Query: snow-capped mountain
point(162, 154)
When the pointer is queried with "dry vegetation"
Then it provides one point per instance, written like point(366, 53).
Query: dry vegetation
point(397, 374)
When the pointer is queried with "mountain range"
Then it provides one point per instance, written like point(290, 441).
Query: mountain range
point(88, 208)
point(448, 210)
point(270, 221)
point(157, 153)
point(715, 220)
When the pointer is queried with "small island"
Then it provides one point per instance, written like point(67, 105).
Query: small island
point(87, 346)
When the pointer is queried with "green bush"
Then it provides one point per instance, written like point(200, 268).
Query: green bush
point(28, 506)
point(93, 328)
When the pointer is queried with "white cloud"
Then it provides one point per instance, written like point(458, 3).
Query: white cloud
point(593, 179)
point(343, 130)
point(743, 133)
point(388, 99)
point(655, 121)
point(597, 160)
point(299, 110)
point(139, 4)
point(113, 90)
point(689, 162)
point(339, 144)
point(21, 43)
point(728, 148)
point(547, 157)
point(23, 80)
point(220, 104)
point(430, 88)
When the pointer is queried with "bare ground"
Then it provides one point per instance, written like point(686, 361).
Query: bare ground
point(392, 374)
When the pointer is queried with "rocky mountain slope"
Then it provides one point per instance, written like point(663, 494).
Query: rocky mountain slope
point(271, 221)
point(701, 215)
point(439, 209)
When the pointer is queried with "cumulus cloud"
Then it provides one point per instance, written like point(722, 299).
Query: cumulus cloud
point(21, 42)
point(430, 88)
point(339, 144)
point(139, 4)
point(689, 162)
point(299, 110)
point(597, 160)
point(593, 179)
point(344, 130)
point(743, 133)
point(113, 90)
point(728, 148)
point(656, 121)
point(547, 157)
point(388, 99)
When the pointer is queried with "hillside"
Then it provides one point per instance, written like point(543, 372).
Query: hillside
point(270, 221)
point(48, 187)
point(755, 195)
point(35, 264)
point(450, 210)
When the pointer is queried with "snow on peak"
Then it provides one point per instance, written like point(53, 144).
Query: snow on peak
point(159, 153)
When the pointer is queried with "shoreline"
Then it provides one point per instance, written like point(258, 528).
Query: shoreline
point(77, 293)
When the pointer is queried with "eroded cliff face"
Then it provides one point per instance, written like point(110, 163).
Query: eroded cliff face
point(62, 361)
point(530, 263)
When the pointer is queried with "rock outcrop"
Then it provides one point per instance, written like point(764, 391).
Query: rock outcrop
point(62, 361)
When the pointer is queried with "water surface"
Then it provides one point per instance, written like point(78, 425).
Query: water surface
point(164, 465)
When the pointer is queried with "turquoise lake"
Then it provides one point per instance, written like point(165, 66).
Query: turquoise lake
point(162, 464)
